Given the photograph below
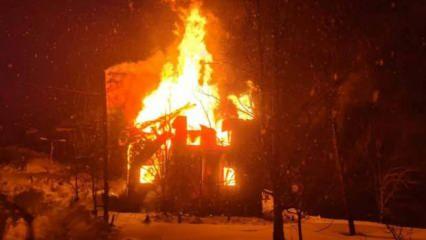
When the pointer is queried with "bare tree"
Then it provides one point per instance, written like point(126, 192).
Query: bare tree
point(340, 166)
point(389, 183)
point(17, 212)
point(105, 149)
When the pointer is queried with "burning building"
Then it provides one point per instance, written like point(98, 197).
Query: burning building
point(184, 144)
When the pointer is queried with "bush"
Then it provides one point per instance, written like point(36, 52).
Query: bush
point(73, 223)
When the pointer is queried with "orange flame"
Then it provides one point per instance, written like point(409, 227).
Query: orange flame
point(229, 176)
point(187, 83)
point(147, 174)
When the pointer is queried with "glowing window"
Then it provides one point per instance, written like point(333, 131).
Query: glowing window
point(229, 176)
point(147, 174)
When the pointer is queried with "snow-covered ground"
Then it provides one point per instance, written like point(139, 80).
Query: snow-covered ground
point(131, 226)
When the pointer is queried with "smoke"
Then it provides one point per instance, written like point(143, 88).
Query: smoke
point(179, 5)
point(128, 83)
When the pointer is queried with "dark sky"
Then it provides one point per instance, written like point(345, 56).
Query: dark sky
point(47, 46)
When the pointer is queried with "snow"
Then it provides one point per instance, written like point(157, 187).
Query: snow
point(130, 226)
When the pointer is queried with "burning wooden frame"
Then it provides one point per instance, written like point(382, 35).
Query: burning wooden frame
point(179, 144)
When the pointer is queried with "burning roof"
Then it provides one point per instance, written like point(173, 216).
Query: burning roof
point(186, 83)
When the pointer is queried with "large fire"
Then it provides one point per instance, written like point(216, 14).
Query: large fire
point(189, 84)
point(186, 88)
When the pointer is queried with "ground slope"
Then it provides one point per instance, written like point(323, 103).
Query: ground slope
point(132, 226)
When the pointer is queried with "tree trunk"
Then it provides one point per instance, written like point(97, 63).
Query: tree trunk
point(179, 217)
point(95, 203)
point(342, 178)
point(3, 223)
point(278, 231)
point(77, 197)
point(105, 150)
point(351, 223)
point(30, 229)
point(28, 218)
point(299, 224)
